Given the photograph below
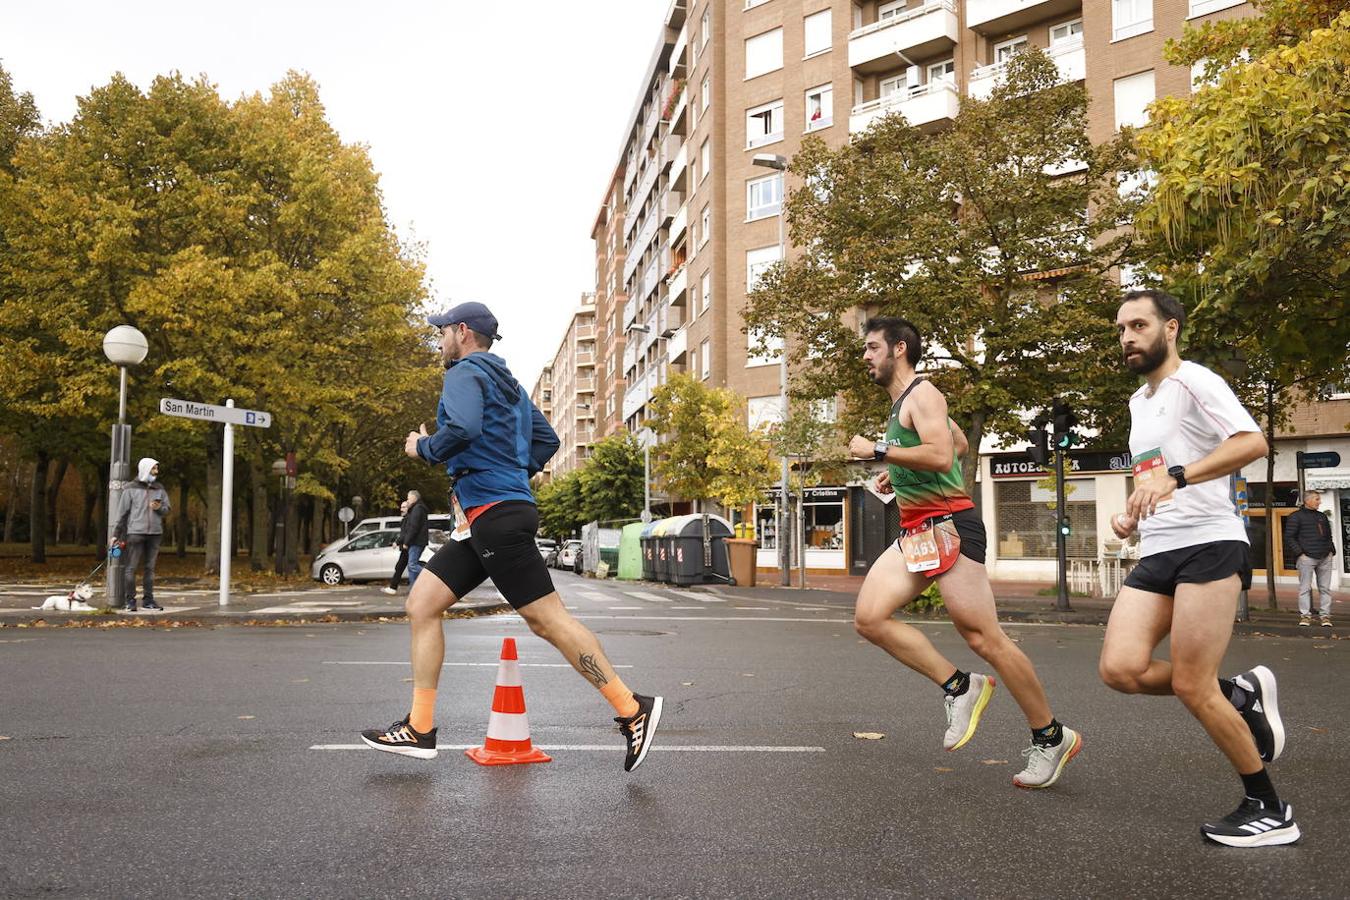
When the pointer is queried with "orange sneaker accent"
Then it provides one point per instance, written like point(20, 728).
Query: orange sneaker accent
point(620, 697)
point(423, 714)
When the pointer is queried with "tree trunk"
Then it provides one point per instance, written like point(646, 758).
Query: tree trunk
point(53, 494)
point(215, 471)
point(182, 518)
point(259, 543)
point(12, 510)
point(84, 530)
point(970, 463)
point(292, 537)
point(1271, 525)
point(37, 518)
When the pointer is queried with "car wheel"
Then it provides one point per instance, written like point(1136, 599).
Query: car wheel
point(330, 574)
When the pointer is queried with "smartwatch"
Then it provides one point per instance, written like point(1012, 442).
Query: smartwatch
point(1179, 474)
point(879, 451)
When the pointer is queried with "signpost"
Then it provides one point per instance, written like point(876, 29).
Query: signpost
point(345, 515)
point(230, 417)
point(1329, 459)
point(1240, 498)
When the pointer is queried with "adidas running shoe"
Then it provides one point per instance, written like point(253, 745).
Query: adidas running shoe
point(1046, 764)
point(1254, 825)
point(401, 738)
point(1262, 712)
point(963, 712)
point(639, 729)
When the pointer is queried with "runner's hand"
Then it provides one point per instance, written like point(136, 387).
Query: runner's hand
point(1144, 501)
point(1123, 525)
point(883, 482)
point(410, 442)
point(862, 448)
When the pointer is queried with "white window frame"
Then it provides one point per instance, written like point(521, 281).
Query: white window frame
point(767, 138)
point(760, 49)
point(751, 4)
point(706, 219)
point(773, 349)
point(1137, 78)
point(896, 84)
point(757, 260)
point(706, 284)
point(948, 76)
point(827, 116)
point(887, 10)
point(1123, 29)
point(705, 351)
point(764, 210)
point(706, 92)
point(766, 410)
point(1070, 37)
point(1198, 8)
point(705, 159)
point(827, 16)
point(1012, 45)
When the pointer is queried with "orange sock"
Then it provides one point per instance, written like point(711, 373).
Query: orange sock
point(423, 709)
point(620, 697)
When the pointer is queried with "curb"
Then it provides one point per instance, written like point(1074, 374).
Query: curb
point(14, 618)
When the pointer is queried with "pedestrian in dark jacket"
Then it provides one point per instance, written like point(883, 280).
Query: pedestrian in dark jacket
point(1307, 535)
point(414, 535)
point(401, 564)
point(140, 523)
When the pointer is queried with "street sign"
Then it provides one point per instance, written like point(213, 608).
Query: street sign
point(1327, 460)
point(346, 514)
point(229, 415)
point(1240, 497)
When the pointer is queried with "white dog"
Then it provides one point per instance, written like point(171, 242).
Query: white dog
point(75, 601)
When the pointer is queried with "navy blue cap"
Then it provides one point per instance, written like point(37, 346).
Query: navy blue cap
point(477, 316)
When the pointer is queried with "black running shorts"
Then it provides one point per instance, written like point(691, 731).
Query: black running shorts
point(500, 546)
point(1160, 573)
point(970, 528)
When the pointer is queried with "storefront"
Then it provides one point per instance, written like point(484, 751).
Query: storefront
point(824, 519)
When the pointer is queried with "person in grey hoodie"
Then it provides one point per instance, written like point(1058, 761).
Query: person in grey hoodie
point(140, 523)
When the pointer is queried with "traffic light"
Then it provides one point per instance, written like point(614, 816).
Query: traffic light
point(1064, 527)
point(1039, 451)
point(1064, 420)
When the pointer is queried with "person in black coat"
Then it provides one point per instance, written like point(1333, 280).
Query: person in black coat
point(1307, 535)
point(392, 587)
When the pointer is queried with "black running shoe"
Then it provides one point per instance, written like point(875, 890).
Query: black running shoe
point(150, 604)
point(1253, 825)
point(401, 738)
point(638, 730)
point(1262, 712)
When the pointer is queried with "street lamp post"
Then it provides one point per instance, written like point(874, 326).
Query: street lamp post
point(646, 437)
point(123, 346)
point(779, 164)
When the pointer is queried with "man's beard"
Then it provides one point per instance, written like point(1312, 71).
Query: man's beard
point(882, 373)
point(1149, 358)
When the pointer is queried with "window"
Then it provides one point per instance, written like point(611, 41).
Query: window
point(693, 302)
point(768, 356)
point(763, 411)
point(1066, 33)
point(756, 261)
point(763, 197)
point(943, 71)
point(887, 10)
point(764, 124)
point(1130, 17)
point(819, 107)
point(892, 85)
point(706, 284)
point(705, 159)
point(706, 220)
point(764, 53)
point(706, 94)
point(1205, 7)
point(1026, 522)
point(817, 29)
point(705, 357)
point(1133, 95)
point(706, 26)
point(1008, 49)
point(751, 4)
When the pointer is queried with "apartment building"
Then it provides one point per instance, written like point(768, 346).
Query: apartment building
point(610, 298)
point(731, 80)
point(566, 389)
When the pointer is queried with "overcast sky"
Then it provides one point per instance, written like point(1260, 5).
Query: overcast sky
point(494, 126)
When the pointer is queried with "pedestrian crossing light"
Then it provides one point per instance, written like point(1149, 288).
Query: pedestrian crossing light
point(1039, 451)
point(1064, 527)
point(1064, 420)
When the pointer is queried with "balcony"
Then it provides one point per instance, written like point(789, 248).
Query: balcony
point(924, 31)
point(1069, 57)
point(585, 333)
point(586, 384)
point(676, 12)
point(678, 345)
point(679, 163)
point(678, 224)
point(677, 54)
point(671, 203)
point(640, 245)
point(995, 18)
point(677, 285)
point(636, 396)
point(929, 107)
point(586, 360)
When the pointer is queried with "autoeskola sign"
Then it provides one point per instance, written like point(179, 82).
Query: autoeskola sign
point(1020, 465)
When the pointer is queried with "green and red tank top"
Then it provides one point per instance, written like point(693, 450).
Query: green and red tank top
point(923, 495)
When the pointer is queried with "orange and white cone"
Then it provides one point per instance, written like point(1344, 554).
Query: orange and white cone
point(508, 733)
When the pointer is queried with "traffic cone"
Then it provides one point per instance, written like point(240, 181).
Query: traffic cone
point(508, 732)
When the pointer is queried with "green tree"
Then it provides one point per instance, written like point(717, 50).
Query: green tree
point(973, 235)
point(561, 512)
point(611, 479)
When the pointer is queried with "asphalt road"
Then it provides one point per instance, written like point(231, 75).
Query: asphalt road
point(178, 763)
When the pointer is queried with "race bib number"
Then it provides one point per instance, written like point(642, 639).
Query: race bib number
point(931, 548)
point(1148, 466)
point(461, 532)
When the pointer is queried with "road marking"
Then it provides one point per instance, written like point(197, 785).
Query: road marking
point(624, 607)
point(643, 595)
point(327, 603)
point(404, 662)
point(749, 607)
point(701, 598)
point(688, 607)
point(616, 748)
point(155, 612)
point(817, 620)
point(593, 595)
point(290, 609)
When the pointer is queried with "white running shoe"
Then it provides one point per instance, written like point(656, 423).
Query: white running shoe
point(1045, 764)
point(388, 590)
point(963, 712)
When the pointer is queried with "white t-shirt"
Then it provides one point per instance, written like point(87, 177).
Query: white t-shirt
point(1192, 412)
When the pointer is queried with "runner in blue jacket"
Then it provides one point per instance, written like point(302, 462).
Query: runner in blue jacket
point(491, 439)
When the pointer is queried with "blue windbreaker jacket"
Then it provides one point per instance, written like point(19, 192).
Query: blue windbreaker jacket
point(489, 435)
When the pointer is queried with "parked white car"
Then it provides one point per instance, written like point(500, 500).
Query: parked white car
point(567, 556)
point(369, 556)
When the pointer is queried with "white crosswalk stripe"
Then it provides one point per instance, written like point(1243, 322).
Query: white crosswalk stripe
point(701, 598)
point(644, 595)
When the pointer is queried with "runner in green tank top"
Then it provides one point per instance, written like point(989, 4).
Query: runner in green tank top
point(942, 538)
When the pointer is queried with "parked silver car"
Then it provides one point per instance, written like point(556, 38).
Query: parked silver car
point(369, 556)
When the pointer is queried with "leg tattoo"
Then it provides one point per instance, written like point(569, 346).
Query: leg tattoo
point(591, 669)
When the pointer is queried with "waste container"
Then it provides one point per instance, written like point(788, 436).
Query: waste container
point(698, 553)
point(630, 552)
point(648, 544)
point(661, 550)
point(741, 554)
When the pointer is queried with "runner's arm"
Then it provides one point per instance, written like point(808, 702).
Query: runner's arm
point(543, 440)
point(958, 438)
point(1230, 456)
point(928, 409)
point(462, 401)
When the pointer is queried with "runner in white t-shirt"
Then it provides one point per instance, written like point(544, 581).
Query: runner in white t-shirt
point(1189, 435)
